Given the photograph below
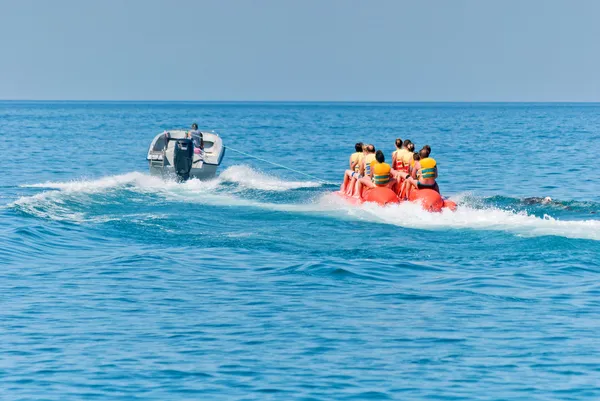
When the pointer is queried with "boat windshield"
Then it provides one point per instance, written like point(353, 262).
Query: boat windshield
point(159, 145)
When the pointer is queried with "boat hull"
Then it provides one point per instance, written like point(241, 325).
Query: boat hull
point(207, 172)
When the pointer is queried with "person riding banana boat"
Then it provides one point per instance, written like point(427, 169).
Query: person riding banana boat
point(424, 174)
point(353, 174)
point(402, 159)
point(377, 172)
point(365, 168)
point(399, 156)
point(407, 157)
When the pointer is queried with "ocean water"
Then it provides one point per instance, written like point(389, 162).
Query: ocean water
point(260, 284)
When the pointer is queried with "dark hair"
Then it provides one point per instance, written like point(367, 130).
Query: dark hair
point(428, 148)
point(424, 153)
point(407, 142)
point(358, 147)
point(194, 126)
point(416, 156)
point(371, 148)
point(379, 156)
point(398, 142)
point(410, 147)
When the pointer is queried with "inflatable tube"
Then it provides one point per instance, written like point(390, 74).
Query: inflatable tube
point(380, 195)
point(450, 205)
point(430, 200)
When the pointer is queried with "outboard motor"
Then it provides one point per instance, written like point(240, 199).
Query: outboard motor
point(183, 155)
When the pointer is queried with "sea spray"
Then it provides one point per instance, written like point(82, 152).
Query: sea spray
point(72, 200)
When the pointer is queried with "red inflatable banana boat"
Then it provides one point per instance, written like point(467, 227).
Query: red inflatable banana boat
point(428, 198)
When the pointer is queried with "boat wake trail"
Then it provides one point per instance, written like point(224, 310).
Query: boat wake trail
point(121, 197)
point(474, 216)
point(78, 200)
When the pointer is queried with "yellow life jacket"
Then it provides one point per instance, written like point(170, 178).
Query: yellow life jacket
point(369, 158)
point(356, 157)
point(381, 174)
point(428, 167)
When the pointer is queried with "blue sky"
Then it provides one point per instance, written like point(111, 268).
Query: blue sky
point(421, 50)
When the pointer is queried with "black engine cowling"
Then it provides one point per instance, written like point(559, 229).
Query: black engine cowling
point(183, 156)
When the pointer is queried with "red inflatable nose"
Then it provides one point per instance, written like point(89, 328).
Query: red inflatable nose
point(380, 195)
point(430, 199)
point(450, 205)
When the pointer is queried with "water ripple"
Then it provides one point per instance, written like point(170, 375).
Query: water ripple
point(116, 285)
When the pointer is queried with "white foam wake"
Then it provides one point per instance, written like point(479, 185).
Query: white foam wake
point(71, 200)
point(58, 203)
point(249, 178)
point(244, 176)
point(91, 186)
point(410, 215)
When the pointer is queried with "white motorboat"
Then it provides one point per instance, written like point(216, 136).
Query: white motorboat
point(176, 153)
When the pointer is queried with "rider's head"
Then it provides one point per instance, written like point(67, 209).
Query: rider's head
point(424, 153)
point(406, 143)
point(428, 149)
point(379, 156)
point(398, 143)
point(410, 147)
point(194, 126)
point(371, 149)
point(358, 147)
point(416, 157)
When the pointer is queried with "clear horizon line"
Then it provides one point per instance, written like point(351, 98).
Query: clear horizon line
point(299, 101)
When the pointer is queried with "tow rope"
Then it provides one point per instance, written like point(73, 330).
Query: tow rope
point(279, 165)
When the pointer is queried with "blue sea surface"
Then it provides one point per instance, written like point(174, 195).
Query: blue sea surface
point(262, 285)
